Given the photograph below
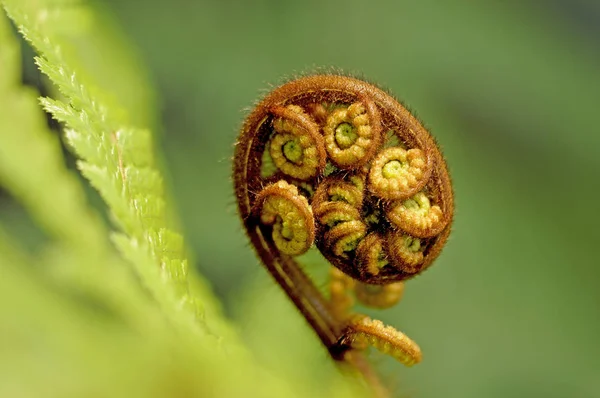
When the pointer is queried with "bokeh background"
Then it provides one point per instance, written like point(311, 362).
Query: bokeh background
point(511, 91)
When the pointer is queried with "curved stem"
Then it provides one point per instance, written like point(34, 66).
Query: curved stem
point(315, 308)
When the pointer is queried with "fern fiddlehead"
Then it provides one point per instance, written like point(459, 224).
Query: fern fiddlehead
point(333, 161)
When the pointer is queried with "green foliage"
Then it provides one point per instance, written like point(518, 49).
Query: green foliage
point(103, 311)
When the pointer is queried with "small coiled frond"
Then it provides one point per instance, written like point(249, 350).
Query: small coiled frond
point(279, 205)
point(364, 331)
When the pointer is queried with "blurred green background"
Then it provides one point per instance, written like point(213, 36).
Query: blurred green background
point(511, 92)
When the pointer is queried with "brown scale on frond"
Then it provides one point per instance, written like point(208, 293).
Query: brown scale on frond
point(337, 163)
